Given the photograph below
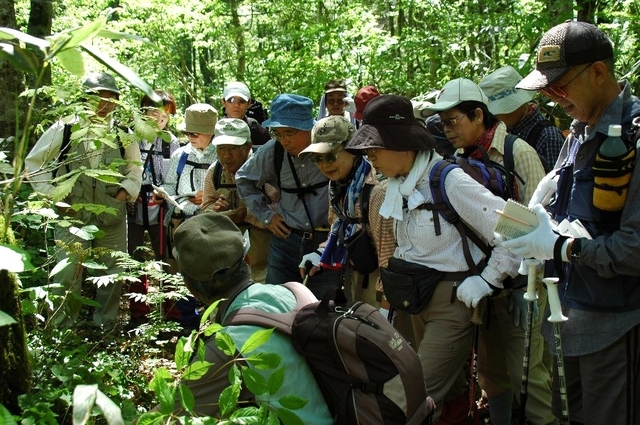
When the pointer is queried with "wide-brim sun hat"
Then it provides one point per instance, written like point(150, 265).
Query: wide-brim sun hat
point(231, 131)
point(388, 123)
point(564, 46)
point(328, 134)
point(454, 93)
point(501, 91)
point(291, 110)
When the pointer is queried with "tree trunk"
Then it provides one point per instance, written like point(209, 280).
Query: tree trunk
point(15, 373)
point(40, 19)
point(11, 80)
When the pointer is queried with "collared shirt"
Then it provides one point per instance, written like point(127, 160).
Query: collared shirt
point(260, 169)
point(416, 235)
point(588, 331)
point(550, 140)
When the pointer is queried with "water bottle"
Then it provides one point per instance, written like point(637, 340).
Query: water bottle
point(612, 171)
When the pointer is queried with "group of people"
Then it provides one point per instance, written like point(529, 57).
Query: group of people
point(345, 205)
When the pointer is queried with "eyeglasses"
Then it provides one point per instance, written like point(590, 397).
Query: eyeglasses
point(559, 91)
point(328, 158)
point(190, 134)
point(334, 101)
point(442, 124)
point(239, 100)
point(286, 134)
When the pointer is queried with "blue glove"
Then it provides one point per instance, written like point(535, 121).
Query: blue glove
point(518, 307)
point(472, 290)
point(537, 244)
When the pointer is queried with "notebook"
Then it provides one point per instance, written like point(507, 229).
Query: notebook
point(515, 220)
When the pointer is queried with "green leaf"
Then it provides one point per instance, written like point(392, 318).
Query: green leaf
point(124, 71)
point(225, 343)
point(5, 416)
point(110, 410)
point(81, 34)
point(275, 380)
point(187, 400)
point(287, 417)
point(264, 360)
point(14, 259)
point(161, 374)
point(60, 266)
point(292, 402)
point(84, 397)
point(165, 395)
point(181, 357)
point(115, 35)
point(254, 381)
point(212, 328)
point(257, 339)
point(71, 60)
point(22, 59)
point(152, 418)
point(64, 187)
point(196, 370)
point(5, 319)
point(10, 34)
point(229, 399)
point(208, 312)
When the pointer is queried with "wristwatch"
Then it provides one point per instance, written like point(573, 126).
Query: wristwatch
point(576, 249)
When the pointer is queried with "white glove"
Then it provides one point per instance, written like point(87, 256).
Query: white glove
point(537, 244)
point(312, 257)
point(545, 189)
point(472, 290)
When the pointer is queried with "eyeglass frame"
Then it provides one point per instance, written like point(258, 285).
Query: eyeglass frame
point(230, 148)
point(559, 91)
point(237, 100)
point(451, 122)
point(293, 132)
point(329, 158)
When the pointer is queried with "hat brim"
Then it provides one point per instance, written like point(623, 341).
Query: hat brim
point(304, 125)
point(335, 90)
point(320, 147)
point(236, 93)
point(229, 140)
point(439, 107)
point(413, 138)
point(508, 104)
point(537, 80)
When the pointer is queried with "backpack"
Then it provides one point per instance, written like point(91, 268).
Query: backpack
point(500, 180)
point(367, 372)
point(66, 145)
point(532, 140)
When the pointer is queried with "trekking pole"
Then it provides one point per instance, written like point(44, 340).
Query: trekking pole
point(556, 317)
point(530, 296)
point(476, 320)
point(161, 250)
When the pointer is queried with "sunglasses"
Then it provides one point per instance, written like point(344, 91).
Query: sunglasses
point(559, 91)
point(328, 158)
point(239, 100)
point(287, 134)
point(442, 124)
point(190, 134)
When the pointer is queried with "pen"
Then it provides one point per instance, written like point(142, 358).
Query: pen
point(510, 217)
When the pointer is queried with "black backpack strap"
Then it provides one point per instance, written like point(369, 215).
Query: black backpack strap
point(66, 145)
point(278, 158)
point(536, 131)
point(217, 178)
point(364, 202)
point(281, 321)
point(509, 140)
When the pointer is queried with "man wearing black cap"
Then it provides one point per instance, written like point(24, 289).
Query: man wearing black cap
point(600, 274)
point(46, 160)
point(210, 251)
point(402, 149)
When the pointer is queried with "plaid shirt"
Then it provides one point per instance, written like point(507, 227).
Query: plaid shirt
point(550, 140)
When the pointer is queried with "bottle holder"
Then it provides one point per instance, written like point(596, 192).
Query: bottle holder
point(611, 181)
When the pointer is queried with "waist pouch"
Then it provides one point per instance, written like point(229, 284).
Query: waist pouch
point(361, 252)
point(409, 286)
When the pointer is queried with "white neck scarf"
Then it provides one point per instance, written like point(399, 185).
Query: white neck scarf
point(398, 188)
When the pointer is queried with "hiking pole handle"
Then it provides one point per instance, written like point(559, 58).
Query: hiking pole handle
point(556, 315)
point(532, 278)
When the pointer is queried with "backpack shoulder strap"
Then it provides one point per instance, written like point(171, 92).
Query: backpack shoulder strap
point(181, 163)
point(281, 321)
point(278, 158)
point(364, 202)
point(66, 145)
point(537, 129)
point(509, 140)
point(217, 178)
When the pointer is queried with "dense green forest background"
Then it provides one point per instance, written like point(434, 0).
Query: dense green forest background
point(192, 49)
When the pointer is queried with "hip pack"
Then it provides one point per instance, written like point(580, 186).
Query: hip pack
point(367, 372)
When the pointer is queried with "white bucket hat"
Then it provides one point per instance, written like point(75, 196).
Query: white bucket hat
point(500, 88)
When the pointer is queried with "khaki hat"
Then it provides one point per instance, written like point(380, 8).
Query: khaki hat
point(231, 131)
point(206, 244)
point(200, 118)
point(454, 93)
point(500, 88)
point(329, 133)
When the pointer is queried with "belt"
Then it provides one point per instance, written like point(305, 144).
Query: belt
point(306, 234)
point(455, 276)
